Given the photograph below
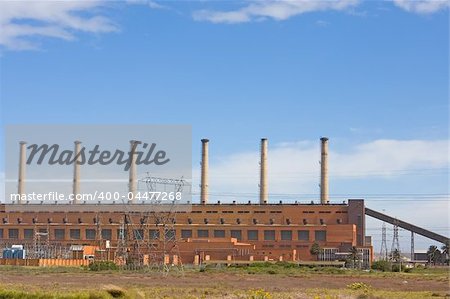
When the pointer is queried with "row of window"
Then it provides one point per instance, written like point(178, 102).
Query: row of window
point(262, 212)
point(154, 234)
point(288, 221)
point(59, 234)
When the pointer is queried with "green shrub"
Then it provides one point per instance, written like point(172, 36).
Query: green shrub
point(395, 268)
point(382, 265)
point(261, 264)
point(102, 266)
point(359, 286)
point(259, 294)
point(407, 270)
point(286, 265)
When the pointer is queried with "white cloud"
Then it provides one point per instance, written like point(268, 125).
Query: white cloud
point(284, 9)
point(149, 3)
point(273, 9)
point(22, 21)
point(322, 23)
point(294, 167)
point(422, 6)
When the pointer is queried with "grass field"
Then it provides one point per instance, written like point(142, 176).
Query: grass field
point(259, 281)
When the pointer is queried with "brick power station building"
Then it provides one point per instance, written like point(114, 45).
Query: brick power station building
point(205, 232)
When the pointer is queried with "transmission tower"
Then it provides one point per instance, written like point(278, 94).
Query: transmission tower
point(383, 251)
point(395, 248)
point(160, 252)
point(167, 256)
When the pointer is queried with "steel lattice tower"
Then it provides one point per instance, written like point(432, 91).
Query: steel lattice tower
point(157, 252)
point(395, 243)
point(383, 250)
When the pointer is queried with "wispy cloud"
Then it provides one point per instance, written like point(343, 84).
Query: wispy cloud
point(272, 9)
point(422, 6)
point(149, 3)
point(22, 22)
point(284, 9)
point(322, 23)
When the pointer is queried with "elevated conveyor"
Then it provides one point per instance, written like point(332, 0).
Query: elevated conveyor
point(407, 226)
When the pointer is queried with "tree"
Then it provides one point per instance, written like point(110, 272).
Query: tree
point(315, 249)
point(445, 252)
point(395, 256)
point(354, 256)
point(433, 254)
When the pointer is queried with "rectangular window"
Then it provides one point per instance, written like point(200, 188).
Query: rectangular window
point(303, 235)
point(236, 234)
point(320, 235)
point(252, 235)
point(90, 234)
point(170, 234)
point(75, 234)
point(60, 233)
point(13, 233)
point(269, 235)
point(186, 233)
point(203, 233)
point(106, 234)
point(219, 233)
point(121, 234)
point(138, 234)
point(1, 233)
point(28, 233)
point(153, 234)
point(286, 235)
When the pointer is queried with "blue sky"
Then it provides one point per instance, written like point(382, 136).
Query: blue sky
point(372, 76)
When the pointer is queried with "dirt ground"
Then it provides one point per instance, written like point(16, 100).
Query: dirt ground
point(86, 280)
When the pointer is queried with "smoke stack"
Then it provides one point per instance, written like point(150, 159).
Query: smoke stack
point(324, 171)
point(132, 182)
point(22, 161)
point(204, 174)
point(76, 172)
point(263, 193)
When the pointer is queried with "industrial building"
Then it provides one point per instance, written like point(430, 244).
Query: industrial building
point(206, 232)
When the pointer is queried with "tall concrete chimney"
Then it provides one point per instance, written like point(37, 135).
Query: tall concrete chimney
point(22, 163)
point(324, 171)
point(132, 181)
point(204, 174)
point(76, 172)
point(263, 193)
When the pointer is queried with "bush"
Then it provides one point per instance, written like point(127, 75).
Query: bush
point(286, 265)
point(408, 270)
point(359, 286)
point(261, 264)
point(259, 294)
point(395, 268)
point(102, 266)
point(382, 265)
